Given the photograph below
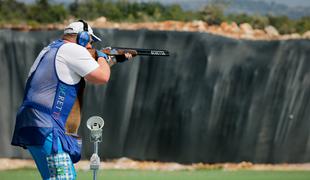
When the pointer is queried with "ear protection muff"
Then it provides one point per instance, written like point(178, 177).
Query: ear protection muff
point(83, 37)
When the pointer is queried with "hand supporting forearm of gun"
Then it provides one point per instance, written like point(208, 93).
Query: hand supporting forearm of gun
point(119, 54)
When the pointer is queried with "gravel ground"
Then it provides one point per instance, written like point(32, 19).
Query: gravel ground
point(125, 163)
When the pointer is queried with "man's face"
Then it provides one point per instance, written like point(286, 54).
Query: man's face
point(89, 44)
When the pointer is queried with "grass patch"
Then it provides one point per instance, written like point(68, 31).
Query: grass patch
point(32, 174)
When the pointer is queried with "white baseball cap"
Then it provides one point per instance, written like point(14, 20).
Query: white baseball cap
point(79, 26)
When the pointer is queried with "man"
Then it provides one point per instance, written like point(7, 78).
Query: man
point(48, 119)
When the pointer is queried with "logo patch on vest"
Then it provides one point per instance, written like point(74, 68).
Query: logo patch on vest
point(59, 101)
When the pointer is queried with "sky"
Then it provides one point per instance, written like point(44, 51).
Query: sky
point(291, 3)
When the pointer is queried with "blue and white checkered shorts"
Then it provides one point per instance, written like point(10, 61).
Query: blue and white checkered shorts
point(52, 166)
point(59, 166)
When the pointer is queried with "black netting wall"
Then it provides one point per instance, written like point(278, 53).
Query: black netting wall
point(213, 100)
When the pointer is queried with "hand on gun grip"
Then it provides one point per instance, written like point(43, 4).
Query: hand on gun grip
point(101, 54)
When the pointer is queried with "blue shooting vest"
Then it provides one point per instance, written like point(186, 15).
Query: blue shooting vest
point(46, 106)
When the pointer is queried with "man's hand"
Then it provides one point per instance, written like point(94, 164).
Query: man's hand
point(101, 54)
point(128, 56)
point(111, 60)
point(123, 58)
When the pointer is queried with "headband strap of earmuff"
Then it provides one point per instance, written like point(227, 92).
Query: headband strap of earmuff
point(85, 25)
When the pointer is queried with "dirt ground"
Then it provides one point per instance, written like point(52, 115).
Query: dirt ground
point(125, 163)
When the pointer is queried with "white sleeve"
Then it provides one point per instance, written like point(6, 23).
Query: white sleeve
point(77, 58)
point(38, 59)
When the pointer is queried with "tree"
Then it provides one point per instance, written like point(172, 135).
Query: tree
point(212, 14)
point(11, 11)
point(43, 12)
point(303, 24)
point(283, 24)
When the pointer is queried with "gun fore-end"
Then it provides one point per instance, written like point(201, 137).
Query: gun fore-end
point(119, 51)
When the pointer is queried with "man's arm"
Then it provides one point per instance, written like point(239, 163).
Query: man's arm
point(100, 75)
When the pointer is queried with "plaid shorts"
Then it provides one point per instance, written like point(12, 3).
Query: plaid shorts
point(60, 167)
point(52, 166)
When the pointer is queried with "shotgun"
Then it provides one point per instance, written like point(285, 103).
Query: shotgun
point(120, 51)
point(114, 51)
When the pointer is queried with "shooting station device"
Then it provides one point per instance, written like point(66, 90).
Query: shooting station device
point(95, 124)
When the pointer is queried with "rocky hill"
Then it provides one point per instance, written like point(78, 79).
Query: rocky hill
point(232, 30)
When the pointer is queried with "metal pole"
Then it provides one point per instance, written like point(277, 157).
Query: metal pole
point(95, 160)
point(95, 174)
point(95, 124)
point(96, 147)
point(95, 152)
